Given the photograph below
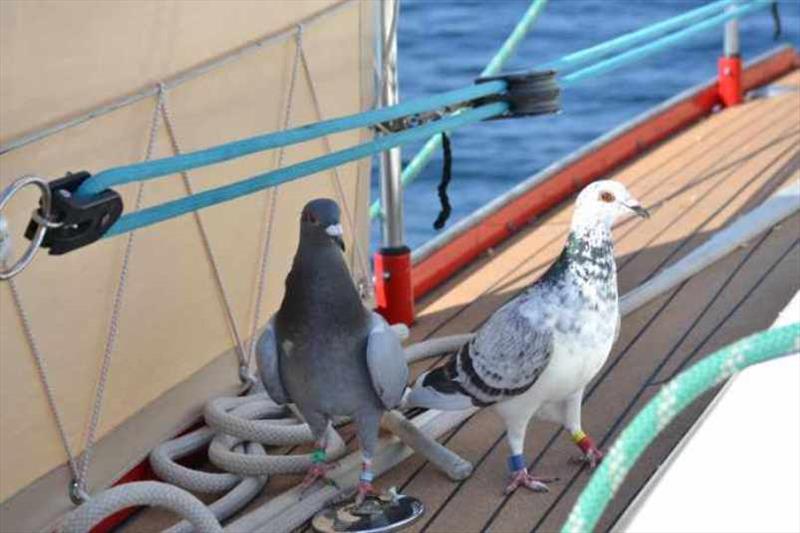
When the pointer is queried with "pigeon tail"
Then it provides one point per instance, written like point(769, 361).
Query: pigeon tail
point(435, 390)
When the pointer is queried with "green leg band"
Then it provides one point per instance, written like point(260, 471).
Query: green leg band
point(318, 456)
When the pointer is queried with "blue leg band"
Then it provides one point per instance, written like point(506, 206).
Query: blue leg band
point(516, 462)
point(367, 476)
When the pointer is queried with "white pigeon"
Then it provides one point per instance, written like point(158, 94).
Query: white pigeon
point(536, 354)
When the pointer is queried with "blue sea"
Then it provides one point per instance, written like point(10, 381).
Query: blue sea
point(443, 45)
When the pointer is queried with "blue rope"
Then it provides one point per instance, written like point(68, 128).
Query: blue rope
point(413, 169)
point(656, 46)
point(225, 152)
point(159, 213)
point(572, 61)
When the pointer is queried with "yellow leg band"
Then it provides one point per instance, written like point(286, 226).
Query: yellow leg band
point(578, 436)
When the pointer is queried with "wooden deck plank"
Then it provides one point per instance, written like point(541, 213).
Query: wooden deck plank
point(465, 510)
point(564, 446)
point(767, 267)
point(643, 181)
point(547, 241)
point(664, 162)
point(632, 365)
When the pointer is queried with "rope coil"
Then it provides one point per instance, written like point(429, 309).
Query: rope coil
point(237, 430)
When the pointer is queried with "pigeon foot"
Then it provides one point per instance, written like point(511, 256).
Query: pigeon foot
point(317, 472)
point(591, 458)
point(365, 489)
point(591, 453)
point(521, 478)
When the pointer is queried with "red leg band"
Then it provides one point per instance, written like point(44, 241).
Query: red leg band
point(586, 444)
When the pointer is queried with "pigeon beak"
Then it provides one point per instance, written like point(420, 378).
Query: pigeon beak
point(335, 232)
point(340, 242)
point(639, 210)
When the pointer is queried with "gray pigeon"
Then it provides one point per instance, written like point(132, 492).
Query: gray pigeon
point(535, 355)
point(324, 351)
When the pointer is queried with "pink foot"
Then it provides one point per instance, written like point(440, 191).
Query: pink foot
point(521, 478)
point(591, 453)
point(592, 457)
point(365, 489)
point(318, 471)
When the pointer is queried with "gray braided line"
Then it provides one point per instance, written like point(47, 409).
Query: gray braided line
point(41, 368)
point(273, 198)
point(221, 453)
point(162, 460)
point(445, 460)
point(234, 329)
point(113, 327)
point(239, 491)
point(226, 506)
point(295, 516)
point(241, 425)
point(150, 493)
point(335, 178)
point(436, 346)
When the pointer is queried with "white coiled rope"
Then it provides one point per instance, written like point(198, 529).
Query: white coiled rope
point(151, 493)
point(237, 431)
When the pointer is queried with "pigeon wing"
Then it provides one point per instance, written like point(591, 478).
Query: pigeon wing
point(506, 357)
point(268, 365)
point(386, 362)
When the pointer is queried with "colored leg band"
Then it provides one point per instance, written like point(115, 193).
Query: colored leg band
point(516, 462)
point(578, 436)
point(318, 456)
point(366, 476)
point(586, 444)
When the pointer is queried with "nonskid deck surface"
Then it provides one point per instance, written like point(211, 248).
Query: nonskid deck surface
point(695, 183)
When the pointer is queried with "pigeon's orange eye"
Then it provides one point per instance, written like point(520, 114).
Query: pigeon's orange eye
point(307, 216)
point(607, 197)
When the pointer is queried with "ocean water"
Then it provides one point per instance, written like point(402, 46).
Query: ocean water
point(444, 45)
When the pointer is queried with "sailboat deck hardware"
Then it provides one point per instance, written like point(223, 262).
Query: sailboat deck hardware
point(38, 230)
point(527, 93)
point(74, 220)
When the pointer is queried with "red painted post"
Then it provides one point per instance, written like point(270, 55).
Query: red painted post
point(394, 290)
point(729, 68)
point(730, 80)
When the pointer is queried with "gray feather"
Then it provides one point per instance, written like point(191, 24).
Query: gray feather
point(386, 363)
point(333, 360)
point(508, 353)
point(269, 365)
point(445, 398)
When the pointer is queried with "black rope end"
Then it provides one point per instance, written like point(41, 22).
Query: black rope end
point(776, 17)
point(447, 169)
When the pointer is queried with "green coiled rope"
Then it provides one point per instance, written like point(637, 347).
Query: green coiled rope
point(666, 405)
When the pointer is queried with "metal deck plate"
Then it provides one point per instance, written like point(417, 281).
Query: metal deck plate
point(376, 515)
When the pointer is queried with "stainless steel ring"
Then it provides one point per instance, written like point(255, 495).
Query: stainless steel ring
point(46, 206)
point(40, 219)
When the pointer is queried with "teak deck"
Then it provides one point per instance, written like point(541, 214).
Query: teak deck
point(695, 183)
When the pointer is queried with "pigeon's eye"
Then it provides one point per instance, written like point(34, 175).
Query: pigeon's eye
point(309, 217)
point(607, 197)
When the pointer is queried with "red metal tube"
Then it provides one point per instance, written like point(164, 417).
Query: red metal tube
point(394, 292)
point(730, 80)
